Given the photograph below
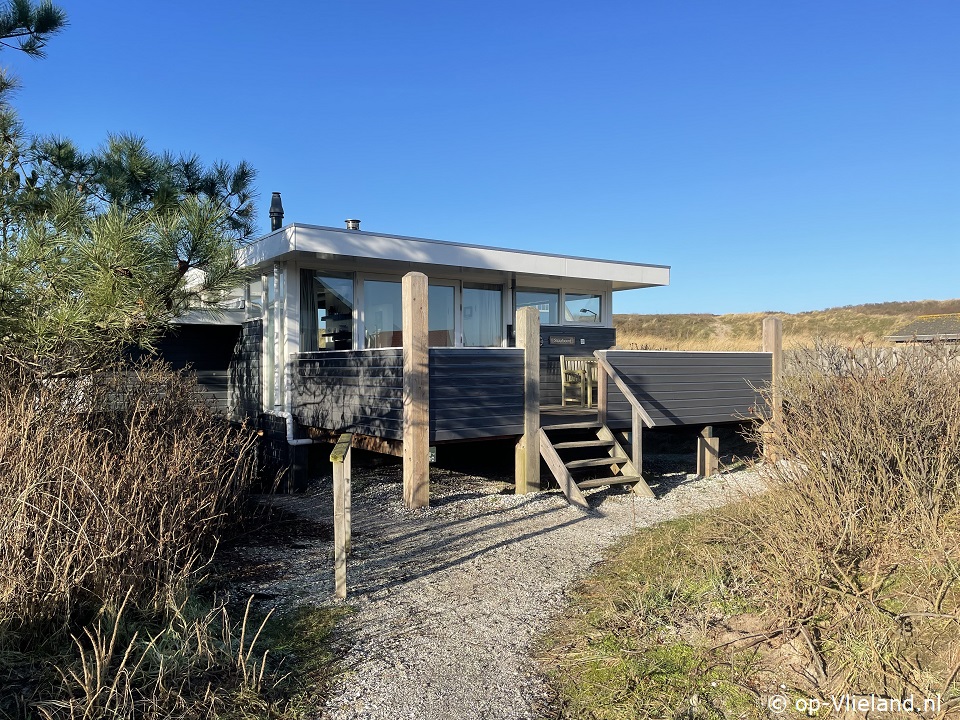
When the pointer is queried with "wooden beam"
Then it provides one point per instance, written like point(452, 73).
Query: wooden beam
point(527, 468)
point(369, 443)
point(560, 472)
point(416, 391)
point(340, 457)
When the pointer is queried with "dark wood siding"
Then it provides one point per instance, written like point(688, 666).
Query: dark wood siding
point(689, 388)
point(350, 390)
point(586, 340)
point(207, 350)
point(475, 393)
point(246, 380)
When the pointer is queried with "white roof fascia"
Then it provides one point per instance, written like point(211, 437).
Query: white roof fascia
point(334, 242)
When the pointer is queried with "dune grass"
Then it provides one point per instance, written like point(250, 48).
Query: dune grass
point(870, 323)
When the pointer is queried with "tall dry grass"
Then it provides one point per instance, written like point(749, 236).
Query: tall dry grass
point(114, 491)
point(857, 545)
point(111, 485)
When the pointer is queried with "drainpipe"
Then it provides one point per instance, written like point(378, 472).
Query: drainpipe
point(288, 416)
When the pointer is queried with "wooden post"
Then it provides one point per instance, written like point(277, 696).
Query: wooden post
point(416, 391)
point(527, 456)
point(773, 344)
point(636, 438)
point(340, 457)
point(708, 453)
point(601, 394)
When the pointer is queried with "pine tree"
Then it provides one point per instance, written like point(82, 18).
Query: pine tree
point(99, 251)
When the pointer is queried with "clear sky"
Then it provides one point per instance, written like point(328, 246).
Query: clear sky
point(777, 154)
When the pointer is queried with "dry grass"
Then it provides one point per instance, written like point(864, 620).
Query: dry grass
point(858, 542)
point(114, 492)
point(113, 487)
point(741, 331)
point(843, 578)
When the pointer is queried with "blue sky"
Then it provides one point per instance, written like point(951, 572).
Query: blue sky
point(779, 155)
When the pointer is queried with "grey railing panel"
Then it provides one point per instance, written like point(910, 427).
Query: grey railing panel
point(689, 388)
point(475, 393)
point(350, 390)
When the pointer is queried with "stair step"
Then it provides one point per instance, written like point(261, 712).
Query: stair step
point(583, 444)
point(594, 462)
point(601, 482)
point(572, 426)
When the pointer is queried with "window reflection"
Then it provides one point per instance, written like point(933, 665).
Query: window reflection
point(581, 308)
point(546, 301)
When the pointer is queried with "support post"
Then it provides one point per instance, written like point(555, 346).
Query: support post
point(601, 394)
point(340, 457)
point(773, 344)
point(527, 455)
point(636, 439)
point(708, 452)
point(416, 391)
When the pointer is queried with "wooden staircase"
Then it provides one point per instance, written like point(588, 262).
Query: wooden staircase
point(584, 455)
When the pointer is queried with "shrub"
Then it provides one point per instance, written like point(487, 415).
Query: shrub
point(856, 544)
point(115, 489)
point(112, 485)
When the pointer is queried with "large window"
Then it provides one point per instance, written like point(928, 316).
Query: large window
point(326, 311)
point(482, 315)
point(581, 308)
point(382, 314)
point(546, 301)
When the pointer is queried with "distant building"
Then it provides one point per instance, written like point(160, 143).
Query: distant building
point(930, 328)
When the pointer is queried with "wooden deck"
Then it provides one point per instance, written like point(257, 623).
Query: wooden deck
point(560, 415)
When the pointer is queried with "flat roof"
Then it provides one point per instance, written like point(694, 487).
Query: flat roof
point(330, 243)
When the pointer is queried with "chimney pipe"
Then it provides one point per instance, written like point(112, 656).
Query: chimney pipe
point(276, 212)
point(353, 224)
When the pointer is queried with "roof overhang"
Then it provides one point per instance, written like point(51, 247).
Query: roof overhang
point(334, 243)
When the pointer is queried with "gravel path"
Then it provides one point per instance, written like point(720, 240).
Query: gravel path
point(449, 600)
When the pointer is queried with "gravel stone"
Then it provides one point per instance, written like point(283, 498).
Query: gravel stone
point(450, 599)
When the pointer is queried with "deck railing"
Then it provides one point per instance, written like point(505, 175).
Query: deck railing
point(638, 415)
point(473, 392)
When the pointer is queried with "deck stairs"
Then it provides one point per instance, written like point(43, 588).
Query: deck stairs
point(583, 455)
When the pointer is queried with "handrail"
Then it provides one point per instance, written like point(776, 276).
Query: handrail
point(340, 457)
point(624, 388)
point(340, 449)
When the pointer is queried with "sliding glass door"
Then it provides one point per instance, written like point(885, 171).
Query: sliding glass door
point(482, 315)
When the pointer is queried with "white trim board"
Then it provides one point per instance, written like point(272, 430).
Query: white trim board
point(333, 243)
